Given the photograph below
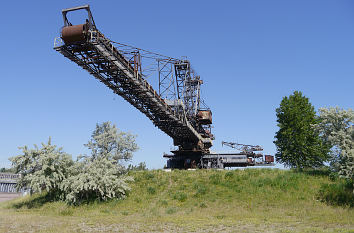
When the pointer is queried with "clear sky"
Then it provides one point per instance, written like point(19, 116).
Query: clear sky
point(249, 53)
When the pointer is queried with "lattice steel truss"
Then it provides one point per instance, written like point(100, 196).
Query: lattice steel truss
point(188, 88)
point(125, 70)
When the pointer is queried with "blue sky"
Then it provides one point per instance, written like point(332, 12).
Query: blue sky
point(249, 53)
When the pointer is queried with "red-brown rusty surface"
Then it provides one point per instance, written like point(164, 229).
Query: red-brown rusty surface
point(204, 117)
point(269, 158)
point(75, 33)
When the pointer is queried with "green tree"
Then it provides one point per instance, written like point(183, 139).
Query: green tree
point(336, 128)
point(298, 144)
point(42, 169)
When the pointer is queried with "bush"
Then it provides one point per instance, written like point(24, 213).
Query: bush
point(203, 205)
point(42, 169)
point(339, 194)
point(151, 190)
point(336, 129)
point(100, 176)
point(171, 210)
point(229, 175)
point(100, 180)
point(201, 189)
point(180, 196)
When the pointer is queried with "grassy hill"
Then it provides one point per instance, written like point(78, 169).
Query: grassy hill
point(249, 200)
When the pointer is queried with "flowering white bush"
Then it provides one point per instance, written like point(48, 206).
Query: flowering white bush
point(336, 128)
point(98, 179)
point(42, 169)
point(99, 176)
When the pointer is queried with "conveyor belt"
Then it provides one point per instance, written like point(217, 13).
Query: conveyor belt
point(100, 58)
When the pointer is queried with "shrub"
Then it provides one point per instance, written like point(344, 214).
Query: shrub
point(151, 190)
point(180, 196)
point(149, 175)
point(164, 202)
point(336, 129)
point(201, 190)
point(100, 176)
point(339, 193)
point(100, 180)
point(229, 175)
point(203, 205)
point(42, 169)
point(171, 210)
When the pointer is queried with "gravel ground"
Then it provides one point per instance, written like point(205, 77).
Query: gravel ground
point(8, 196)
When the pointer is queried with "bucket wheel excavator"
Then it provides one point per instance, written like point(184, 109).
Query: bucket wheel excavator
point(174, 106)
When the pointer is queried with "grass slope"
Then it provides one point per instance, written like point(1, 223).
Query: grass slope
point(249, 200)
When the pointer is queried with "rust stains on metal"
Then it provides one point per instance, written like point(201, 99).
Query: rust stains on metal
point(75, 33)
point(205, 117)
point(269, 158)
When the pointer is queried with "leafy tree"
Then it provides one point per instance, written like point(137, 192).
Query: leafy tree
point(42, 169)
point(101, 175)
point(107, 141)
point(298, 144)
point(336, 128)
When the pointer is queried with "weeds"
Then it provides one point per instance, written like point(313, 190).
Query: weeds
point(171, 210)
point(151, 190)
point(215, 178)
point(340, 193)
point(180, 196)
point(203, 205)
point(124, 213)
point(201, 189)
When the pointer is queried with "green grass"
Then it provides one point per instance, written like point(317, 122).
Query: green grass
point(248, 200)
point(340, 193)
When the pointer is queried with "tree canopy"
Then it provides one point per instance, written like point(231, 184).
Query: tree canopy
point(298, 144)
point(336, 128)
point(107, 141)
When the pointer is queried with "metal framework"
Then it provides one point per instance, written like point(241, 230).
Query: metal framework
point(188, 88)
point(248, 151)
point(8, 183)
point(243, 147)
point(125, 70)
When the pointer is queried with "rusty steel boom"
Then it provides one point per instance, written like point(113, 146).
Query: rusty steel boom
point(176, 108)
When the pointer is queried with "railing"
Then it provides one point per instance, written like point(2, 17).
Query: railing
point(8, 183)
point(8, 188)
